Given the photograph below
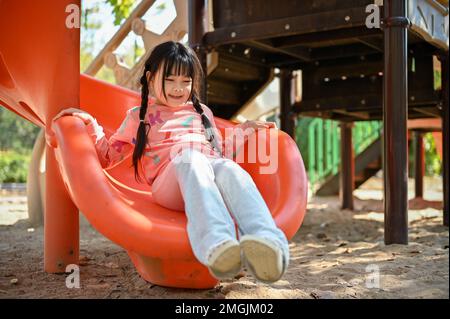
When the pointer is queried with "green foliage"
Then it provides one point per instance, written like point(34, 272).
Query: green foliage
point(87, 23)
point(310, 143)
point(433, 162)
point(437, 85)
point(14, 167)
point(16, 132)
point(121, 9)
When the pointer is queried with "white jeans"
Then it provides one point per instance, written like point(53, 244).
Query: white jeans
point(212, 188)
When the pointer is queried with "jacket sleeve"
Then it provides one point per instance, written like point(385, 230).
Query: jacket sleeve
point(119, 146)
point(235, 137)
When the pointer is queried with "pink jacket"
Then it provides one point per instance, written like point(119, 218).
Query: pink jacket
point(171, 130)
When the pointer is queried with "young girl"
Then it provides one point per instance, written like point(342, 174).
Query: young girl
point(180, 152)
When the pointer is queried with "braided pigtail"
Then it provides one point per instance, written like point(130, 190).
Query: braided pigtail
point(144, 127)
point(209, 129)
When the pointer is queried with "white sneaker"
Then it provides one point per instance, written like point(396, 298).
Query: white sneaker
point(224, 261)
point(263, 258)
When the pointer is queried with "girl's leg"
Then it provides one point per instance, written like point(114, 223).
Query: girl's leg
point(246, 204)
point(210, 227)
point(166, 190)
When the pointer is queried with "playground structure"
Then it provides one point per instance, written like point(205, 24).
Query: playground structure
point(344, 78)
point(350, 73)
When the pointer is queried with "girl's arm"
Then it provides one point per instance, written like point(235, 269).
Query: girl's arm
point(235, 137)
point(120, 144)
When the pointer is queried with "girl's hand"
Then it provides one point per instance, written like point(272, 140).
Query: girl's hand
point(259, 124)
point(86, 117)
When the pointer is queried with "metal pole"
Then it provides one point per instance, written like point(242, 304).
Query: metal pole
point(395, 93)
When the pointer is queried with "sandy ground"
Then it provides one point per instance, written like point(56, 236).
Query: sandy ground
point(336, 254)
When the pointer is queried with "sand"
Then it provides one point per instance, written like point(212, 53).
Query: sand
point(335, 254)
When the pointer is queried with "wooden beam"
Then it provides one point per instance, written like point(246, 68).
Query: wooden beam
point(342, 51)
point(286, 116)
point(418, 163)
point(198, 25)
point(244, 52)
point(323, 21)
point(395, 110)
point(358, 115)
point(235, 70)
point(427, 111)
point(299, 53)
point(224, 92)
point(374, 43)
point(347, 174)
point(325, 36)
point(445, 135)
point(118, 37)
point(346, 60)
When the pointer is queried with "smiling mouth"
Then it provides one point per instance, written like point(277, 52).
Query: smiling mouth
point(175, 97)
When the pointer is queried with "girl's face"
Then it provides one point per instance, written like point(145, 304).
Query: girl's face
point(178, 89)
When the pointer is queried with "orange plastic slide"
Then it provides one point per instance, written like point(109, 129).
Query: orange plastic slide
point(39, 76)
point(123, 210)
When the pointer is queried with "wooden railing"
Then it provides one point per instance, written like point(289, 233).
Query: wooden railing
point(124, 75)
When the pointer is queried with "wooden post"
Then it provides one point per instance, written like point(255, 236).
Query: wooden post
point(395, 94)
point(445, 134)
point(418, 163)
point(347, 175)
point(198, 26)
point(287, 116)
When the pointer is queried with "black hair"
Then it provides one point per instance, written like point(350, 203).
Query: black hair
point(171, 56)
